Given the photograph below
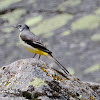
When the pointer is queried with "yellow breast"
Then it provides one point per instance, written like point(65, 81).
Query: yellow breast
point(32, 49)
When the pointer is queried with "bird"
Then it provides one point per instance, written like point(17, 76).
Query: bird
point(33, 44)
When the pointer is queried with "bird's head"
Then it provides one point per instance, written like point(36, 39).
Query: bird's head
point(21, 27)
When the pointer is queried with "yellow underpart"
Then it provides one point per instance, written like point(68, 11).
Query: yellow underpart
point(32, 49)
point(37, 51)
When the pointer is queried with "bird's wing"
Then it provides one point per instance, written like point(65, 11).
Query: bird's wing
point(32, 41)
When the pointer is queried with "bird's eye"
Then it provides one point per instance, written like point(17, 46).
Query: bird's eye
point(19, 26)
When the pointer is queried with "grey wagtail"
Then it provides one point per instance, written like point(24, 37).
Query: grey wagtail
point(34, 45)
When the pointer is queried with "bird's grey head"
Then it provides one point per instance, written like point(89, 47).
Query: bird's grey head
point(21, 27)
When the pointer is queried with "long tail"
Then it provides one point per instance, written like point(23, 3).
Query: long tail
point(59, 64)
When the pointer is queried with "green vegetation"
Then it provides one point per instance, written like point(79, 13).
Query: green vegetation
point(71, 70)
point(47, 35)
point(68, 53)
point(63, 5)
point(13, 17)
point(37, 82)
point(95, 37)
point(86, 22)
point(66, 33)
point(92, 68)
point(6, 3)
point(97, 11)
point(7, 29)
point(51, 24)
point(33, 20)
point(2, 41)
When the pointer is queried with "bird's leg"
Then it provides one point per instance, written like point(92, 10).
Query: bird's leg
point(39, 57)
point(34, 55)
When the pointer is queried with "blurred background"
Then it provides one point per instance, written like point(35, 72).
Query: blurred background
point(69, 28)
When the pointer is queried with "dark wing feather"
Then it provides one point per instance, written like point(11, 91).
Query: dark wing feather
point(36, 44)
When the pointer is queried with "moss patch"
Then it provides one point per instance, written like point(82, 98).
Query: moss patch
point(63, 5)
point(86, 22)
point(47, 35)
point(7, 29)
point(37, 82)
point(92, 68)
point(73, 2)
point(68, 53)
point(13, 17)
point(95, 37)
point(33, 20)
point(6, 3)
point(51, 24)
point(71, 70)
point(66, 33)
point(97, 11)
point(2, 41)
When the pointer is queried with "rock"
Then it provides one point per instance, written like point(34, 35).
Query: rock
point(65, 25)
point(33, 79)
